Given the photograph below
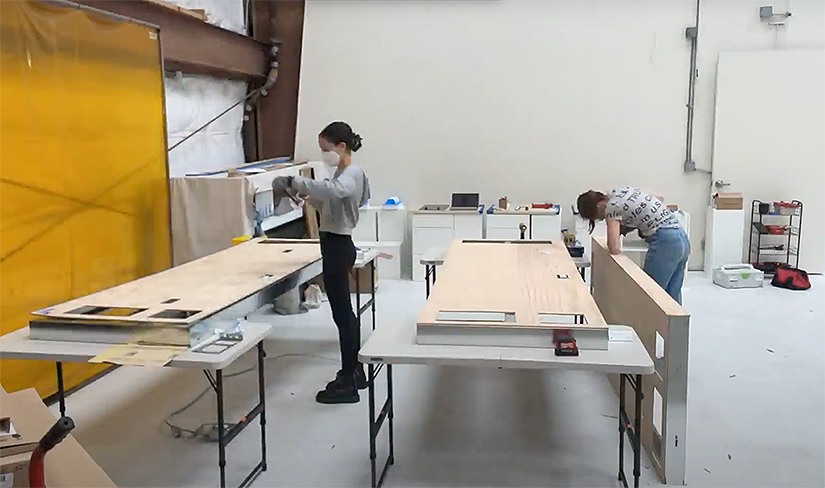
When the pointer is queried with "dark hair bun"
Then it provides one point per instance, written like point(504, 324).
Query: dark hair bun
point(338, 132)
point(357, 142)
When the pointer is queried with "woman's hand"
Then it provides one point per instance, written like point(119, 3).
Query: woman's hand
point(614, 236)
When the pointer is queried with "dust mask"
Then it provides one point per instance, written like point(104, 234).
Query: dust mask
point(330, 158)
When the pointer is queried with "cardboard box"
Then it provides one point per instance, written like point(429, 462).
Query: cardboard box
point(364, 282)
point(14, 471)
point(728, 201)
point(27, 432)
point(68, 465)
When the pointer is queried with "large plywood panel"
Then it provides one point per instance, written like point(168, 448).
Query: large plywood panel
point(201, 288)
point(490, 288)
point(83, 183)
point(626, 295)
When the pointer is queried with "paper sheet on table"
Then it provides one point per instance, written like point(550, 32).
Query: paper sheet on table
point(138, 355)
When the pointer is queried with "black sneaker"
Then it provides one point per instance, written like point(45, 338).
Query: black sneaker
point(360, 378)
point(339, 390)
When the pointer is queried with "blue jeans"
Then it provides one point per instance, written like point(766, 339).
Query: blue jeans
point(667, 256)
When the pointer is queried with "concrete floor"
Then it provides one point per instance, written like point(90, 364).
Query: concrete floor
point(756, 411)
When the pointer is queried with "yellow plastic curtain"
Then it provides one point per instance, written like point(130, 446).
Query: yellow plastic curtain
point(84, 200)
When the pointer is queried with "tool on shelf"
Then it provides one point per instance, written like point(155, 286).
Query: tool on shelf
point(771, 221)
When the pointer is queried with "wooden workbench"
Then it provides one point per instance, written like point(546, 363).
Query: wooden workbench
point(165, 306)
point(509, 293)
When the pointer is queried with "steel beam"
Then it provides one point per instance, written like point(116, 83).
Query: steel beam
point(191, 45)
point(277, 115)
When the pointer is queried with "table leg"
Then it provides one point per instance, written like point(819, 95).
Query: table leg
point(581, 272)
point(221, 444)
point(391, 415)
point(386, 413)
point(372, 291)
point(621, 429)
point(434, 268)
point(637, 429)
point(427, 278)
point(61, 391)
point(262, 401)
point(373, 433)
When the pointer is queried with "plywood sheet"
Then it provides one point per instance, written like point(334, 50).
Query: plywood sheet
point(200, 288)
point(626, 295)
point(520, 279)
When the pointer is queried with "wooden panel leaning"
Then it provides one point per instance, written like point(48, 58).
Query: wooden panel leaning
point(626, 295)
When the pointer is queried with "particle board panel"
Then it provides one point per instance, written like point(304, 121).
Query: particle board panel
point(626, 295)
point(534, 285)
point(198, 288)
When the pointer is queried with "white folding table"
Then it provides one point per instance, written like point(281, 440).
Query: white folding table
point(19, 345)
point(393, 344)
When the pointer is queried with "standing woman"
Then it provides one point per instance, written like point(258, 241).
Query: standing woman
point(629, 208)
point(339, 199)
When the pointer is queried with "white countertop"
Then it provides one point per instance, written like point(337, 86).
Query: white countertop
point(18, 345)
point(395, 343)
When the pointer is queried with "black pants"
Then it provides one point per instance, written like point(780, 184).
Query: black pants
point(338, 253)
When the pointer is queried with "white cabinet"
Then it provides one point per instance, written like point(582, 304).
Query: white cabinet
point(367, 227)
point(507, 226)
point(428, 240)
point(724, 238)
point(468, 226)
point(392, 223)
point(434, 231)
point(540, 225)
point(545, 227)
point(384, 228)
point(388, 263)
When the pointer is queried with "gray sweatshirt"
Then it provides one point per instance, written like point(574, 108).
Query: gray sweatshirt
point(338, 198)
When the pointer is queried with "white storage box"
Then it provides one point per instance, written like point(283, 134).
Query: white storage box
point(738, 276)
point(388, 263)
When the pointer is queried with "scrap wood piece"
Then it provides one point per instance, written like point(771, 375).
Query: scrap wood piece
point(310, 213)
point(138, 355)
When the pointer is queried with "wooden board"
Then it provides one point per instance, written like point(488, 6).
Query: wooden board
point(534, 284)
point(626, 295)
point(310, 213)
point(200, 288)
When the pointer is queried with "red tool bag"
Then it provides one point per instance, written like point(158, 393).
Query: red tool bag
point(791, 278)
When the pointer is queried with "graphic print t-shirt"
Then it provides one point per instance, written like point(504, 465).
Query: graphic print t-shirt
point(638, 209)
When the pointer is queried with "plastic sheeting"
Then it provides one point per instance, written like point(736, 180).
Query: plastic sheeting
point(84, 201)
point(192, 100)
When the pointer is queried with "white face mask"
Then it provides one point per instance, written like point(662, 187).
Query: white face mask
point(330, 158)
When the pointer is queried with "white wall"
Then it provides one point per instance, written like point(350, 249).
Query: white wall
point(192, 100)
point(770, 115)
point(533, 100)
